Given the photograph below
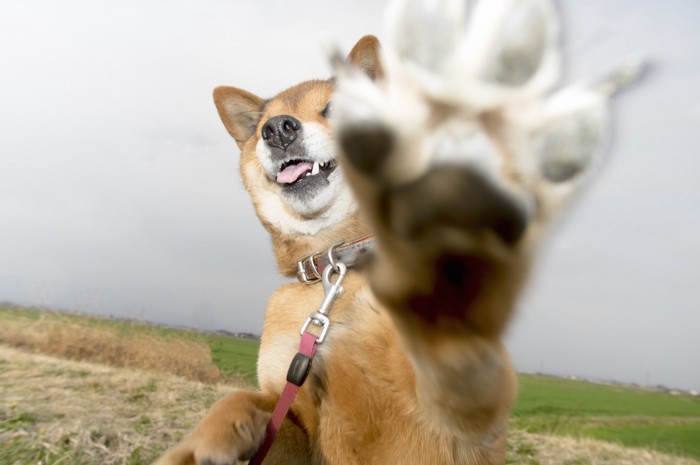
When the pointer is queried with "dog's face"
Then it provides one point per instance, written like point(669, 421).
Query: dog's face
point(296, 150)
point(288, 154)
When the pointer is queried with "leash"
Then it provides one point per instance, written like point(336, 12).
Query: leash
point(301, 363)
point(298, 369)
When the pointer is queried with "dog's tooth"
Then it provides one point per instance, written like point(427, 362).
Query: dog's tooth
point(315, 168)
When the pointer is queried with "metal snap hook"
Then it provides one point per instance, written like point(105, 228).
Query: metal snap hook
point(332, 289)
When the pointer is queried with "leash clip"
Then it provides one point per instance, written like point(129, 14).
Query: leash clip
point(331, 290)
point(301, 364)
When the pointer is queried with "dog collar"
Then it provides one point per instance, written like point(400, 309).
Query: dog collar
point(350, 254)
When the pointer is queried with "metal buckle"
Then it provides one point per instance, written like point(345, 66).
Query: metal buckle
point(311, 259)
point(301, 270)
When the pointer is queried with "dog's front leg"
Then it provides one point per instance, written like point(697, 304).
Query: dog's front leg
point(232, 430)
point(448, 268)
point(446, 177)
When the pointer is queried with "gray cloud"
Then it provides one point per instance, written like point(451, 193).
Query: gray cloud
point(120, 192)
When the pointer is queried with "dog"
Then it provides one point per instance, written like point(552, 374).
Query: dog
point(432, 166)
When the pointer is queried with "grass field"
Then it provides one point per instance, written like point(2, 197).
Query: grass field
point(234, 358)
point(547, 412)
point(633, 417)
point(56, 411)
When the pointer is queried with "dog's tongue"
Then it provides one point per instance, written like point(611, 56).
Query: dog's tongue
point(293, 172)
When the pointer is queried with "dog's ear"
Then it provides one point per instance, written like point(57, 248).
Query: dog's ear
point(365, 55)
point(240, 112)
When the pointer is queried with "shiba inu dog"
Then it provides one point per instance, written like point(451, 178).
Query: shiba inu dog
point(449, 149)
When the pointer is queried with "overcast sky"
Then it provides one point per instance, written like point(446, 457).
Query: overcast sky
point(120, 192)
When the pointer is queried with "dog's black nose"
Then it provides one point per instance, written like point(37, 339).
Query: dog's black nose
point(280, 131)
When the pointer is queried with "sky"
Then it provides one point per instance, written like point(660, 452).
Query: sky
point(120, 192)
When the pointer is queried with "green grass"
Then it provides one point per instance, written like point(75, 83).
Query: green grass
point(541, 395)
point(678, 439)
point(629, 416)
point(21, 450)
point(234, 357)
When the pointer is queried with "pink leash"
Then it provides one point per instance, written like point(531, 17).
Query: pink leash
point(298, 370)
point(301, 363)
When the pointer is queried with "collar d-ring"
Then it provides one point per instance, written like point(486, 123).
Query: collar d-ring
point(331, 260)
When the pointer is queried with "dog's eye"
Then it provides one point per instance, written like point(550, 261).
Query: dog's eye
point(327, 109)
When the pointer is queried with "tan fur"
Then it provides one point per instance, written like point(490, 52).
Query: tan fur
point(304, 101)
point(413, 369)
point(360, 405)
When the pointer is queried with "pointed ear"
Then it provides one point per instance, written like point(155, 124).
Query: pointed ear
point(240, 112)
point(365, 55)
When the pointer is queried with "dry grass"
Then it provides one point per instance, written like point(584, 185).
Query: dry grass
point(538, 449)
point(186, 358)
point(55, 411)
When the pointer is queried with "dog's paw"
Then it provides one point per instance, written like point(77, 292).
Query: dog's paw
point(465, 129)
point(231, 431)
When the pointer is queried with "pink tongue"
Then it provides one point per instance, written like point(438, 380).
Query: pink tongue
point(293, 172)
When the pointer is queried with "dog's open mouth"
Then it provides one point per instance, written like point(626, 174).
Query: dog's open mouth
point(293, 171)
